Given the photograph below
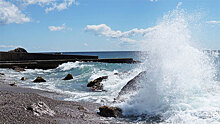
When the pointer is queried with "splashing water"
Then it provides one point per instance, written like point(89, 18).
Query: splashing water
point(180, 82)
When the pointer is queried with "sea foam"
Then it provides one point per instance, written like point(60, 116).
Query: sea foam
point(180, 84)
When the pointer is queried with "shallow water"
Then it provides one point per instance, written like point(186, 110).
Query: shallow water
point(76, 90)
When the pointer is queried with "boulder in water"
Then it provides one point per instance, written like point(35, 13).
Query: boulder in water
point(68, 77)
point(18, 50)
point(132, 85)
point(13, 84)
point(97, 81)
point(23, 78)
point(96, 84)
point(108, 111)
point(39, 79)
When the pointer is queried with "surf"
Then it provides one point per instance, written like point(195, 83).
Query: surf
point(180, 82)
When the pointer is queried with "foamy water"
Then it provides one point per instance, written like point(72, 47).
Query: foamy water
point(180, 85)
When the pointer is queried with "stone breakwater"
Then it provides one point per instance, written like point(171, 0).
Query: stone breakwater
point(21, 58)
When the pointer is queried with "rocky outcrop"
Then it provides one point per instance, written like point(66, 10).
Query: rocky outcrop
point(18, 50)
point(96, 84)
point(108, 111)
point(39, 79)
point(97, 81)
point(40, 109)
point(68, 77)
point(132, 85)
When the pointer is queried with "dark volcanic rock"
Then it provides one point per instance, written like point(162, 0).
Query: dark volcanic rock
point(108, 111)
point(23, 78)
point(39, 79)
point(13, 84)
point(97, 81)
point(96, 84)
point(18, 50)
point(97, 87)
point(132, 85)
point(68, 77)
point(18, 69)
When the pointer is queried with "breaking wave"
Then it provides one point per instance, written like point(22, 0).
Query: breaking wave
point(180, 85)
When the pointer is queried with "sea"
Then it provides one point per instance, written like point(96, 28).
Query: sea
point(181, 84)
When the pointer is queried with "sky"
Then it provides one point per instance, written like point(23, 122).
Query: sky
point(96, 25)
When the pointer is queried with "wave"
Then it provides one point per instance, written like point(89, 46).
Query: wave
point(71, 65)
point(180, 84)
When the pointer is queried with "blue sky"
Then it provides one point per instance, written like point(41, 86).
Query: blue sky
point(95, 25)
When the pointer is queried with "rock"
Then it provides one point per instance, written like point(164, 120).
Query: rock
point(39, 79)
point(98, 88)
point(132, 85)
point(40, 109)
point(13, 84)
point(23, 78)
point(108, 111)
point(81, 108)
point(116, 73)
point(18, 50)
point(18, 69)
point(1, 74)
point(68, 77)
point(96, 84)
point(97, 81)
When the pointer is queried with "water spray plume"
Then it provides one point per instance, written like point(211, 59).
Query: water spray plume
point(179, 84)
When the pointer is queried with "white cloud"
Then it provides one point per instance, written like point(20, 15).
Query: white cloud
point(59, 28)
point(40, 2)
point(104, 30)
point(61, 6)
point(7, 46)
point(213, 22)
point(9, 13)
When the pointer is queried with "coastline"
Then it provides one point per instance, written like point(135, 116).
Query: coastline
point(15, 102)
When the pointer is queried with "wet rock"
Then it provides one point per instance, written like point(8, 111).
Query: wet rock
point(108, 111)
point(40, 109)
point(39, 79)
point(132, 85)
point(68, 77)
point(18, 50)
point(18, 69)
point(81, 108)
point(97, 81)
point(116, 73)
point(13, 84)
point(97, 88)
point(96, 84)
point(23, 79)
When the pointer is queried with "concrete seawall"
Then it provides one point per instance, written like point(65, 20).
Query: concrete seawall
point(5, 56)
point(50, 61)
